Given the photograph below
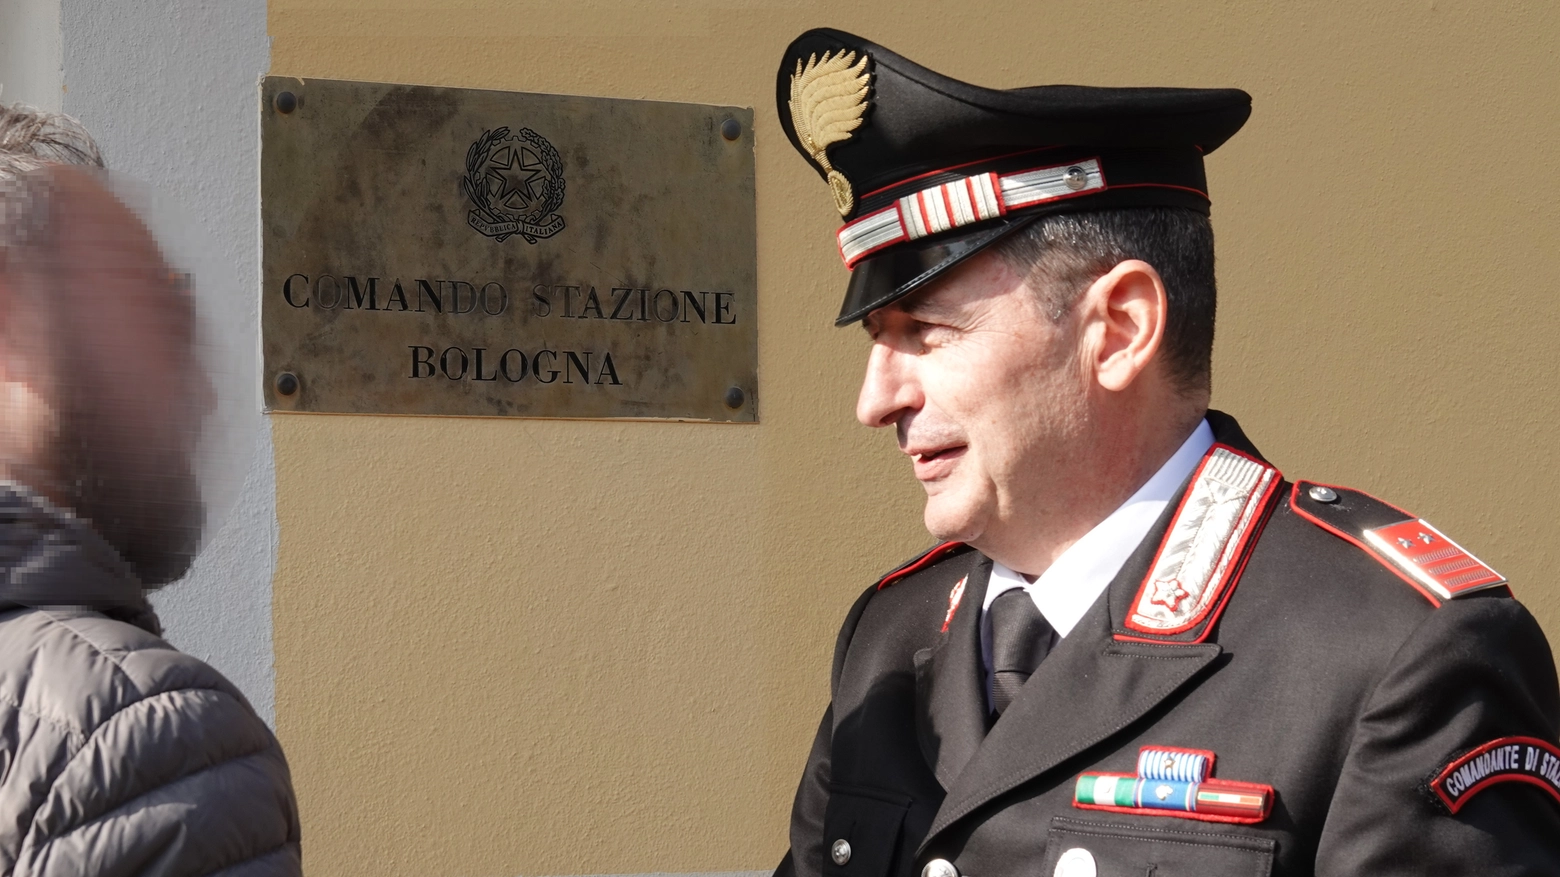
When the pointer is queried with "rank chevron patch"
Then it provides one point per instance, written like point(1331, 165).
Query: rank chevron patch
point(1434, 560)
point(1419, 554)
point(1206, 544)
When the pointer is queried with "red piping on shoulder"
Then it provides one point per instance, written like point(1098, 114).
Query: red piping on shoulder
point(1294, 494)
point(925, 561)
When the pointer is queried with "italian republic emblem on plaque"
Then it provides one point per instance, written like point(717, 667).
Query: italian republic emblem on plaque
point(515, 183)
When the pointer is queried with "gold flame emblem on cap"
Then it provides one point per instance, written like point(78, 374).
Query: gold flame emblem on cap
point(828, 99)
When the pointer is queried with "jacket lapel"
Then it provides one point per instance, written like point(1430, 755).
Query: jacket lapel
point(1086, 690)
point(950, 696)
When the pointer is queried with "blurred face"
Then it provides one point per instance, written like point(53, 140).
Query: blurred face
point(126, 386)
point(987, 395)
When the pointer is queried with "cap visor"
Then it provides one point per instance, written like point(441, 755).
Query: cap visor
point(885, 278)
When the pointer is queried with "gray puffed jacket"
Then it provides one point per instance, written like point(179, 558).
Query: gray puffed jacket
point(118, 754)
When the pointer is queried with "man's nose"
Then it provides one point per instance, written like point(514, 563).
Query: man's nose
point(888, 390)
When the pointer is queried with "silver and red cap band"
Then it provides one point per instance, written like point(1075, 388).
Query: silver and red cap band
point(927, 170)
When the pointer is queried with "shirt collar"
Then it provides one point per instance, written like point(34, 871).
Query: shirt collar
point(1070, 586)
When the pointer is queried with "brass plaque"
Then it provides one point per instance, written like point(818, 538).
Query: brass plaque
point(456, 251)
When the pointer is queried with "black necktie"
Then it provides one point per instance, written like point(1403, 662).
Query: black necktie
point(1020, 640)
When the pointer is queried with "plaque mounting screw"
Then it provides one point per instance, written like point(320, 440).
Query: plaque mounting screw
point(731, 129)
point(286, 102)
point(286, 383)
point(735, 397)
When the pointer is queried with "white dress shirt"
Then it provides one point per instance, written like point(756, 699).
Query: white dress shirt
point(1075, 580)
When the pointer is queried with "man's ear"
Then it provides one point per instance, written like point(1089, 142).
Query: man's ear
point(1128, 308)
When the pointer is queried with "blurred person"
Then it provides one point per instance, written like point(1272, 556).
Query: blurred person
point(120, 754)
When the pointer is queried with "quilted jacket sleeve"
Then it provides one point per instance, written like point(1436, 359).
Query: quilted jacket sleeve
point(176, 776)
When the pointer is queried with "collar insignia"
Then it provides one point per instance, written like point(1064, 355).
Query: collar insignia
point(1174, 782)
point(1204, 549)
point(828, 99)
point(954, 596)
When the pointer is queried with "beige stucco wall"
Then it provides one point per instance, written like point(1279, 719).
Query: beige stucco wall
point(530, 647)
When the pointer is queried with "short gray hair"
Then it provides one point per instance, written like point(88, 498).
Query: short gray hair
point(31, 140)
point(1062, 254)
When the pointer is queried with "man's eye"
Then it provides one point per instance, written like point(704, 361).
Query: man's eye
point(931, 332)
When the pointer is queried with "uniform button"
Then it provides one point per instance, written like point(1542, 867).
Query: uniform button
point(939, 868)
point(840, 851)
point(1323, 494)
point(1076, 862)
point(1075, 178)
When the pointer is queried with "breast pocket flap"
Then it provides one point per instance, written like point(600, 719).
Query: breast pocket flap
point(1080, 848)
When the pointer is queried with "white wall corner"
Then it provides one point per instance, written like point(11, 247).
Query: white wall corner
point(31, 71)
point(168, 89)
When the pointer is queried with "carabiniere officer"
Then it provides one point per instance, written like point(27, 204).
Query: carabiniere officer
point(1138, 649)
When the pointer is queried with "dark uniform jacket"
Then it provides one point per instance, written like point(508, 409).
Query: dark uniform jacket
point(1400, 732)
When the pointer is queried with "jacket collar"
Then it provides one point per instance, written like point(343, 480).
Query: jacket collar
point(1088, 689)
point(950, 685)
point(1078, 576)
point(49, 557)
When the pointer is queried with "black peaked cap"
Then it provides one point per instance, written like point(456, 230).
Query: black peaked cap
point(1048, 148)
